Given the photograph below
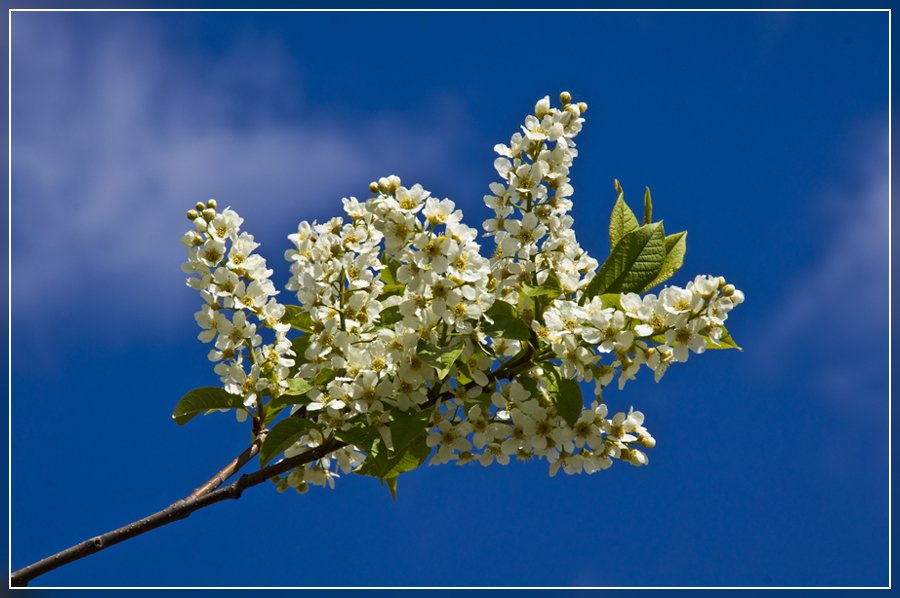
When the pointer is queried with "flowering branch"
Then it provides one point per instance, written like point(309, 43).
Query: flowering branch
point(407, 345)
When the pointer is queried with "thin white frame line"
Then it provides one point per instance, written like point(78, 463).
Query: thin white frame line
point(9, 274)
point(430, 10)
point(890, 295)
point(450, 10)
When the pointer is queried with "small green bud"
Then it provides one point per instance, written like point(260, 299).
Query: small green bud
point(728, 290)
point(209, 214)
point(199, 206)
point(212, 204)
point(192, 215)
point(648, 442)
point(373, 186)
point(565, 97)
point(582, 106)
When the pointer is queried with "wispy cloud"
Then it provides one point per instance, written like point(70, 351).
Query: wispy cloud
point(116, 133)
point(834, 317)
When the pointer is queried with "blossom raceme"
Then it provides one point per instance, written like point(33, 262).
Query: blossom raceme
point(416, 338)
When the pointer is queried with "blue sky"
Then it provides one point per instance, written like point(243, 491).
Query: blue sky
point(764, 135)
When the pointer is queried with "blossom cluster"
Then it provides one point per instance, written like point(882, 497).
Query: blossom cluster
point(236, 287)
point(401, 313)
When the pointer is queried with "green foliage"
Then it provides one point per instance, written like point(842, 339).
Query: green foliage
point(506, 323)
point(440, 358)
point(566, 395)
point(726, 342)
point(282, 436)
point(388, 275)
point(634, 262)
point(641, 255)
point(676, 247)
point(551, 287)
point(648, 207)
point(297, 318)
point(204, 400)
point(408, 437)
point(622, 221)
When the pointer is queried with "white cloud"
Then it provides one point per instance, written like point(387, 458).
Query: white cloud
point(116, 133)
point(833, 319)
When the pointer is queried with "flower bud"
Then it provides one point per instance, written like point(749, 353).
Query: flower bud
point(192, 215)
point(373, 186)
point(565, 97)
point(721, 281)
point(199, 206)
point(582, 106)
point(648, 441)
point(384, 185)
point(212, 204)
point(542, 108)
point(209, 214)
point(728, 290)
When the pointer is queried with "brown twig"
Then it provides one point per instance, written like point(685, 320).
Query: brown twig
point(176, 511)
point(211, 493)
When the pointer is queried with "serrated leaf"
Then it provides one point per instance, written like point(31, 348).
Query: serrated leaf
point(725, 342)
point(440, 358)
point(382, 463)
point(298, 318)
point(360, 435)
point(676, 247)
point(634, 262)
point(550, 287)
point(622, 221)
point(648, 207)
point(388, 275)
point(298, 386)
point(201, 400)
point(611, 300)
point(506, 323)
point(282, 436)
point(392, 486)
point(566, 396)
point(299, 346)
point(390, 316)
point(406, 427)
point(324, 376)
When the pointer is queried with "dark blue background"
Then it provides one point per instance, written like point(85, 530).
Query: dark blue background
point(763, 134)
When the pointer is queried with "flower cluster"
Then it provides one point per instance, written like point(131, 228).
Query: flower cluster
point(236, 288)
point(414, 344)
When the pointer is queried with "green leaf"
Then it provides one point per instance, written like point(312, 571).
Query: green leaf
point(676, 247)
point(360, 435)
point(611, 300)
point(294, 395)
point(299, 346)
point(407, 427)
point(324, 376)
point(726, 342)
point(506, 323)
point(282, 436)
point(648, 207)
point(382, 463)
point(392, 486)
point(201, 400)
point(550, 287)
point(298, 386)
point(634, 262)
point(566, 396)
point(388, 275)
point(622, 221)
point(440, 358)
point(298, 318)
point(390, 316)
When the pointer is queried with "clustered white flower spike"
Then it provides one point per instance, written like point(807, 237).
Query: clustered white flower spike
point(401, 314)
point(235, 286)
